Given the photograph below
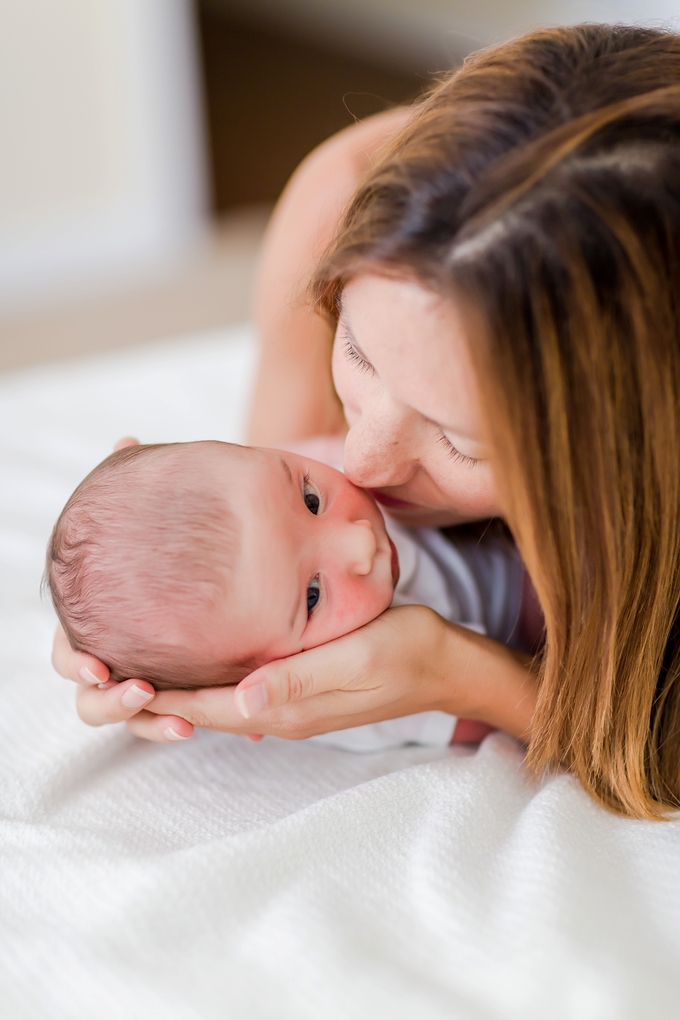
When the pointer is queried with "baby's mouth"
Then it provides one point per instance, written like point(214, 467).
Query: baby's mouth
point(395, 562)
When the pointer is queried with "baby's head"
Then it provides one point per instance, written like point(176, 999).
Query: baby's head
point(190, 564)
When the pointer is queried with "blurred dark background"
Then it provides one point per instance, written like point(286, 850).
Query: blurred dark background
point(271, 97)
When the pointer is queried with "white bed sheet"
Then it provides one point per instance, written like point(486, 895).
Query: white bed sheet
point(217, 878)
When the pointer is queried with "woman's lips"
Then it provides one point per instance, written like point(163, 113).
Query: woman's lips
point(386, 500)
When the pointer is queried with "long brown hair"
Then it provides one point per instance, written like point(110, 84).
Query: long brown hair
point(539, 186)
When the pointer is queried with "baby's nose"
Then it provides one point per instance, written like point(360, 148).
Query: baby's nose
point(361, 547)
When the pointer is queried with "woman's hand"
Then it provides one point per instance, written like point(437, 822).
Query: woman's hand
point(100, 700)
point(407, 660)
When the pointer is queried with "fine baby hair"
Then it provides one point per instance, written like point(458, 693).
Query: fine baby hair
point(139, 561)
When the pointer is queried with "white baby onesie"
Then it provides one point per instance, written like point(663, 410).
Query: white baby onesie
point(474, 582)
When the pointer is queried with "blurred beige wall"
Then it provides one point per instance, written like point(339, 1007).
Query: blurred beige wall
point(59, 126)
point(101, 151)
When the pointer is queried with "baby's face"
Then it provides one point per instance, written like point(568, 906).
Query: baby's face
point(314, 562)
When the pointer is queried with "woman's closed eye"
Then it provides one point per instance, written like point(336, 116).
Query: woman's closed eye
point(455, 453)
point(352, 354)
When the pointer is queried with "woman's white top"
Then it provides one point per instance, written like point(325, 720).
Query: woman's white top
point(474, 582)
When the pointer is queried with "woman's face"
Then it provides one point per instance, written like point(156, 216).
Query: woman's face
point(403, 372)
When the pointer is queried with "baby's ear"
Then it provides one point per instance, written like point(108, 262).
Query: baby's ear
point(124, 442)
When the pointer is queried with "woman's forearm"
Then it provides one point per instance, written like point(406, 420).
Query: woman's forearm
point(500, 684)
point(294, 396)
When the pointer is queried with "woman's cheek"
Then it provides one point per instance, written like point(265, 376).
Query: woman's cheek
point(471, 491)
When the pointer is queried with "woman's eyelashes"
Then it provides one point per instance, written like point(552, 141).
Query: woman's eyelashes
point(310, 496)
point(454, 453)
point(313, 595)
point(352, 354)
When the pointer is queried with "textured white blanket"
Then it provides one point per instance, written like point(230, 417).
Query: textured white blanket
point(220, 879)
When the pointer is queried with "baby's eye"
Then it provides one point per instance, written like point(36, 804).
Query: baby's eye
point(311, 498)
point(313, 595)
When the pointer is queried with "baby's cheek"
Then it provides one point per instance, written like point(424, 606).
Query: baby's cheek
point(357, 604)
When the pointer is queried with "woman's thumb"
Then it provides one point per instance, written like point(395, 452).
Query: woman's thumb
point(278, 683)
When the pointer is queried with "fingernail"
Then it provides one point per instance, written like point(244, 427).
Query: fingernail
point(135, 697)
point(251, 700)
point(88, 676)
point(171, 734)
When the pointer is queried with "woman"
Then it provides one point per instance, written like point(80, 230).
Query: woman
point(507, 344)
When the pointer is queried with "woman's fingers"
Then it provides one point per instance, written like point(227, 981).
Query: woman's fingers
point(100, 700)
point(295, 679)
point(299, 676)
point(210, 708)
point(114, 704)
point(127, 702)
point(353, 664)
point(76, 666)
point(161, 728)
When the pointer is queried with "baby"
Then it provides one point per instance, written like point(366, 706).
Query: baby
point(191, 564)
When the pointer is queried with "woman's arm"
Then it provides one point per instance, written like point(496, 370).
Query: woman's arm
point(408, 660)
point(294, 396)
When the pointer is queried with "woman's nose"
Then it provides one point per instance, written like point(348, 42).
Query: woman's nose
point(358, 547)
point(378, 452)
